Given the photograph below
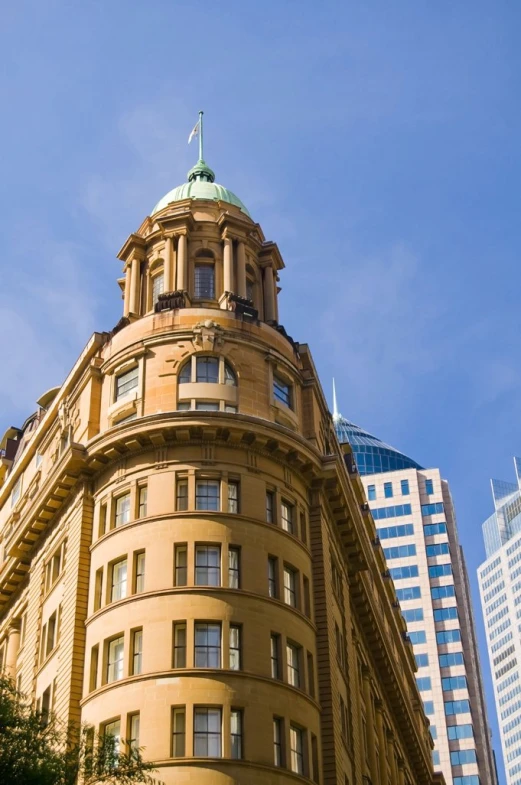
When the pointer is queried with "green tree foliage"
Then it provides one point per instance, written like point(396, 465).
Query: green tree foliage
point(39, 750)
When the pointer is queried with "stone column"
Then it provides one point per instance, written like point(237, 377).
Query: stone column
point(228, 264)
point(126, 300)
point(182, 263)
point(13, 644)
point(401, 772)
point(134, 285)
point(241, 269)
point(269, 294)
point(392, 756)
point(167, 268)
point(381, 743)
point(371, 740)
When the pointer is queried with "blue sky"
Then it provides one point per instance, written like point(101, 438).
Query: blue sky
point(377, 143)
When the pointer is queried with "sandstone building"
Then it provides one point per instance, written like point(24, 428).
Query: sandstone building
point(187, 561)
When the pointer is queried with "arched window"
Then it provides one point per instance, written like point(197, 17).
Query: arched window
point(216, 374)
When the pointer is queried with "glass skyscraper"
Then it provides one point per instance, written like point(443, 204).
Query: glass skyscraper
point(416, 526)
point(500, 588)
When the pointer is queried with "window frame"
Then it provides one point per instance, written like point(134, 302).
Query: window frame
point(208, 735)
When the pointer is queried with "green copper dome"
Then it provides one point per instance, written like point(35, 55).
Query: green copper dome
point(200, 185)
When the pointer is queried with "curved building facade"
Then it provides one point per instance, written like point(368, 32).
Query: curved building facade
point(186, 562)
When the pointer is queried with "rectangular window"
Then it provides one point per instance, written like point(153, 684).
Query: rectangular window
point(207, 646)
point(275, 656)
point(287, 516)
point(311, 674)
point(448, 636)
point(461, 757)
point(94, 658)
point(142, 508)
point(278, 736)
point(270, 507)
point(441, 592)
point(206, 406)
point(139, 572)
point(207, 565)
point(178, 732)
point(137, 652)
point(272, 576)
point(122, 510)
point(424, 683)
point(430, 529)
point(282, 391)
point(113, 729)
point(290, 587)
point(126, 382)
point(429, 487)
point(405, 487)
point(235, 647)
point(180, 645)
point(236, 733)
point(454, 683)
point(293, 654)
point(445, 614)
point(118, 590)
point(207, 732)
point(438, 549)
point(204, 282)
point(422, 660)
point(182, 495)
point(50, 634)
point(307, 597)
point(296, 742)
point(54, 567)
point(400, 573)
point(207, 495)
point(371, 493)
point(414, 614)
point(98, 589)
point(388, 490)
point(410, 593)
point(432, 509)
point(207, 370)
point(418, 636)
point(233, 496)
point(454, 658)
point(115, 654)
point(133, 732)
point(234, 567)
point(457, 707)
point(180, 565)
point(439, 570)
point(460, 732)
point(157, 287)
point(102, 519)
point(16, 492)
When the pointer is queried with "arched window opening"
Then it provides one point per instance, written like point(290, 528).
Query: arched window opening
point(229, 375)
point(204, 282)
point(185, 374)
point(207, 370)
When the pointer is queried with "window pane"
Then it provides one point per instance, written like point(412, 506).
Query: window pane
point(137, 652)
point(140, 572)
point(180, 565)
point(133, 727)
point(236, 733)
point(277, 741)
point(235, 647)
point(270, 507)
point(115, 660)
point(126, 382)
point(182, 495)
point(180, 645)
point(293, 660)
point(207, 565)
point(207, 495)
point(207, 370)
point(178, 746)
point(229, 375)
point(185, 374)
point(233, 496)
point(290, 595)
point(282, 391)
point(143, 494)
point(204, 281)
point(207, 652)
point(207, 733)
point(296, 749)
point(119, 580)
point(157, 287)
point(287, 516)
point(122, 510)
point(206, 406)
point(275, 656)
point(233, 568)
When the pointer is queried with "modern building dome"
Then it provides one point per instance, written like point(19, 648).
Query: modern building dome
point(372, 455)
point(200, 185)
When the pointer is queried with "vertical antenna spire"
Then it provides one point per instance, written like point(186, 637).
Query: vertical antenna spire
point(201, 136)
point(336, 414)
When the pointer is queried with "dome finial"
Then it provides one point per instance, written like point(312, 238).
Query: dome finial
point(336, 413)
point(200, 171)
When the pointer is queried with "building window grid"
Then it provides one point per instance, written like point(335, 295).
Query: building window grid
point(122, 515)
point(207, 565)
point(115, 659)
point(235, 647)
point(290, 587)
point(287, 516)
point(137, 652)
point(207, 495)
point(140, 572)
point(207, 645)
point(181, 565)
point(233, 568)
point(207, 732)
point(180, 645)
point(179, 732)
point(293, 658)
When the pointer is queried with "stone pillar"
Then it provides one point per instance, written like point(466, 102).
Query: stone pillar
point(392, 756)
point(228, 264)
point(167, 268)
point(134, 285)
point(382, 746)
point(371, 740)
point(241, 269)
point(182, 263)
point(269, 294)
point(401, 772)
point(13, 644)
point(126, 300)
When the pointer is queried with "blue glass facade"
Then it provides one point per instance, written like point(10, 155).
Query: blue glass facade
point(506, 520)
point(371, 454)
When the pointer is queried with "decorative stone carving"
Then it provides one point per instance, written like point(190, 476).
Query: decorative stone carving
point(208, 335)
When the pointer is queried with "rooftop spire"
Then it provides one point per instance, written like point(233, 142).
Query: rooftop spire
point(336, 413)
point(200, 171)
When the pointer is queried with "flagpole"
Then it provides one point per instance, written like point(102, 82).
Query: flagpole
point(201, 136)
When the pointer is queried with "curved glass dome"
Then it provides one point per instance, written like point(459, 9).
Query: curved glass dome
point(371, 454)
point(201, 185)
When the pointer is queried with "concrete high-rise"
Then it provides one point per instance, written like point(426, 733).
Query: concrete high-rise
point(186, 562)
point(500, 588)
point(416, 527)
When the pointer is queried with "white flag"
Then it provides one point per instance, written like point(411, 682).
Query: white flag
point(194, 132)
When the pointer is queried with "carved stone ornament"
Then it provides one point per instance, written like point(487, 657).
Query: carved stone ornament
point(208, 335)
